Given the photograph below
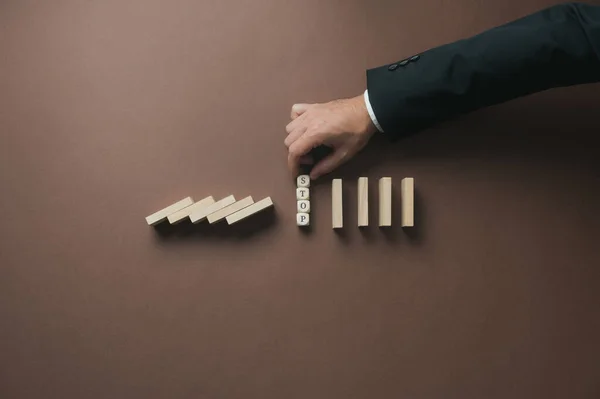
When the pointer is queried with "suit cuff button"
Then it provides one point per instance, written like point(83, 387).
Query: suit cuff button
point(393, 67)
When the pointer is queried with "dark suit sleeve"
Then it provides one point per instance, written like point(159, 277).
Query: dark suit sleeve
point(558, 46)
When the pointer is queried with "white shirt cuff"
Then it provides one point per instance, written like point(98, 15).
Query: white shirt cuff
point(371, 113)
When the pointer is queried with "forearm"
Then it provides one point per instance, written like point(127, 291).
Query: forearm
point(559, 46)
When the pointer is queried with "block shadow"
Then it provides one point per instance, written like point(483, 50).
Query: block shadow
point(343, 234)
point(369, 233)
point(414, 234)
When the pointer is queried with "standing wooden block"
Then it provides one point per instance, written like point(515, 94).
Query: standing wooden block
point(163, 214)
point(363, 201)
point(200, 215)
point(250, 210)
point(183, 214)
point(337, 215)
point(228, 210)
point(408, 202)
point(385, 202)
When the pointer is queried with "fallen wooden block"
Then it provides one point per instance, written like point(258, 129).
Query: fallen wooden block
point(200, 215)
point(183, 214)
point(250, 210)
point(337, 215)
point(228, 210)
point(163, 214)
point(408, 202)
point(363, 201)
point(385, 202)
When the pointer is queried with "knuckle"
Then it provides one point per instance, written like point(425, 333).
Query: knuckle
point(314, 129)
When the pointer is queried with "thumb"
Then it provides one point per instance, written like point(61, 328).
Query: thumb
point(298, 109)
point(330, 162)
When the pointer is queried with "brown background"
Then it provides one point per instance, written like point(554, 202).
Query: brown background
point(110, 110)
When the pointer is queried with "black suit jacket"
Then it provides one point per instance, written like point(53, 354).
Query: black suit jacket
point(558, 46)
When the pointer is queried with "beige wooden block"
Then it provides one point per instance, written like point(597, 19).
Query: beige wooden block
point(200, 215)
point(302, 193)
point(363, 201)
point(337, 214)
point(408, 202)
point(385, 202)
point(302, 219)
point(183, 214)
point(303, 181)
point(250, 210)
point(228, 210)
point(163, 214)
point(303, 206)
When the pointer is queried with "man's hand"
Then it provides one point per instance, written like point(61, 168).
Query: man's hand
point(343, 125)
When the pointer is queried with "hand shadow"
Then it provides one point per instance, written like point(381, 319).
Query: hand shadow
point(359, 165)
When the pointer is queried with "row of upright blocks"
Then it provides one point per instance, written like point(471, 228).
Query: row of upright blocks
point(385, 202)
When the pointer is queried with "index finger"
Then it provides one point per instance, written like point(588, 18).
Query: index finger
point(300, 148)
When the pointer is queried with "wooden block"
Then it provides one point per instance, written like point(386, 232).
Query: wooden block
point(303, 206)
point(385, 202)
point(200, 215)
point(163, 214)
point(183, 214)
point(408, 202)
point(250, 210)
point(337, 214)
point(302, 219)
point(303, 181)
point(363, 201)
point(302, 193)
point(228, 210)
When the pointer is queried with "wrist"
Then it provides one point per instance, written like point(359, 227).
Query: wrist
point(365, 122)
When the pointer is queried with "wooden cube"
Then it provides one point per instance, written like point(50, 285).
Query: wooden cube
point(302, 193)
point(302, 219)
point(303, 181)
point(303, 206)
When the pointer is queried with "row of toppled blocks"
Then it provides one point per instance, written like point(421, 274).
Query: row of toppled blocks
point(227, 208)
point(385, 202)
